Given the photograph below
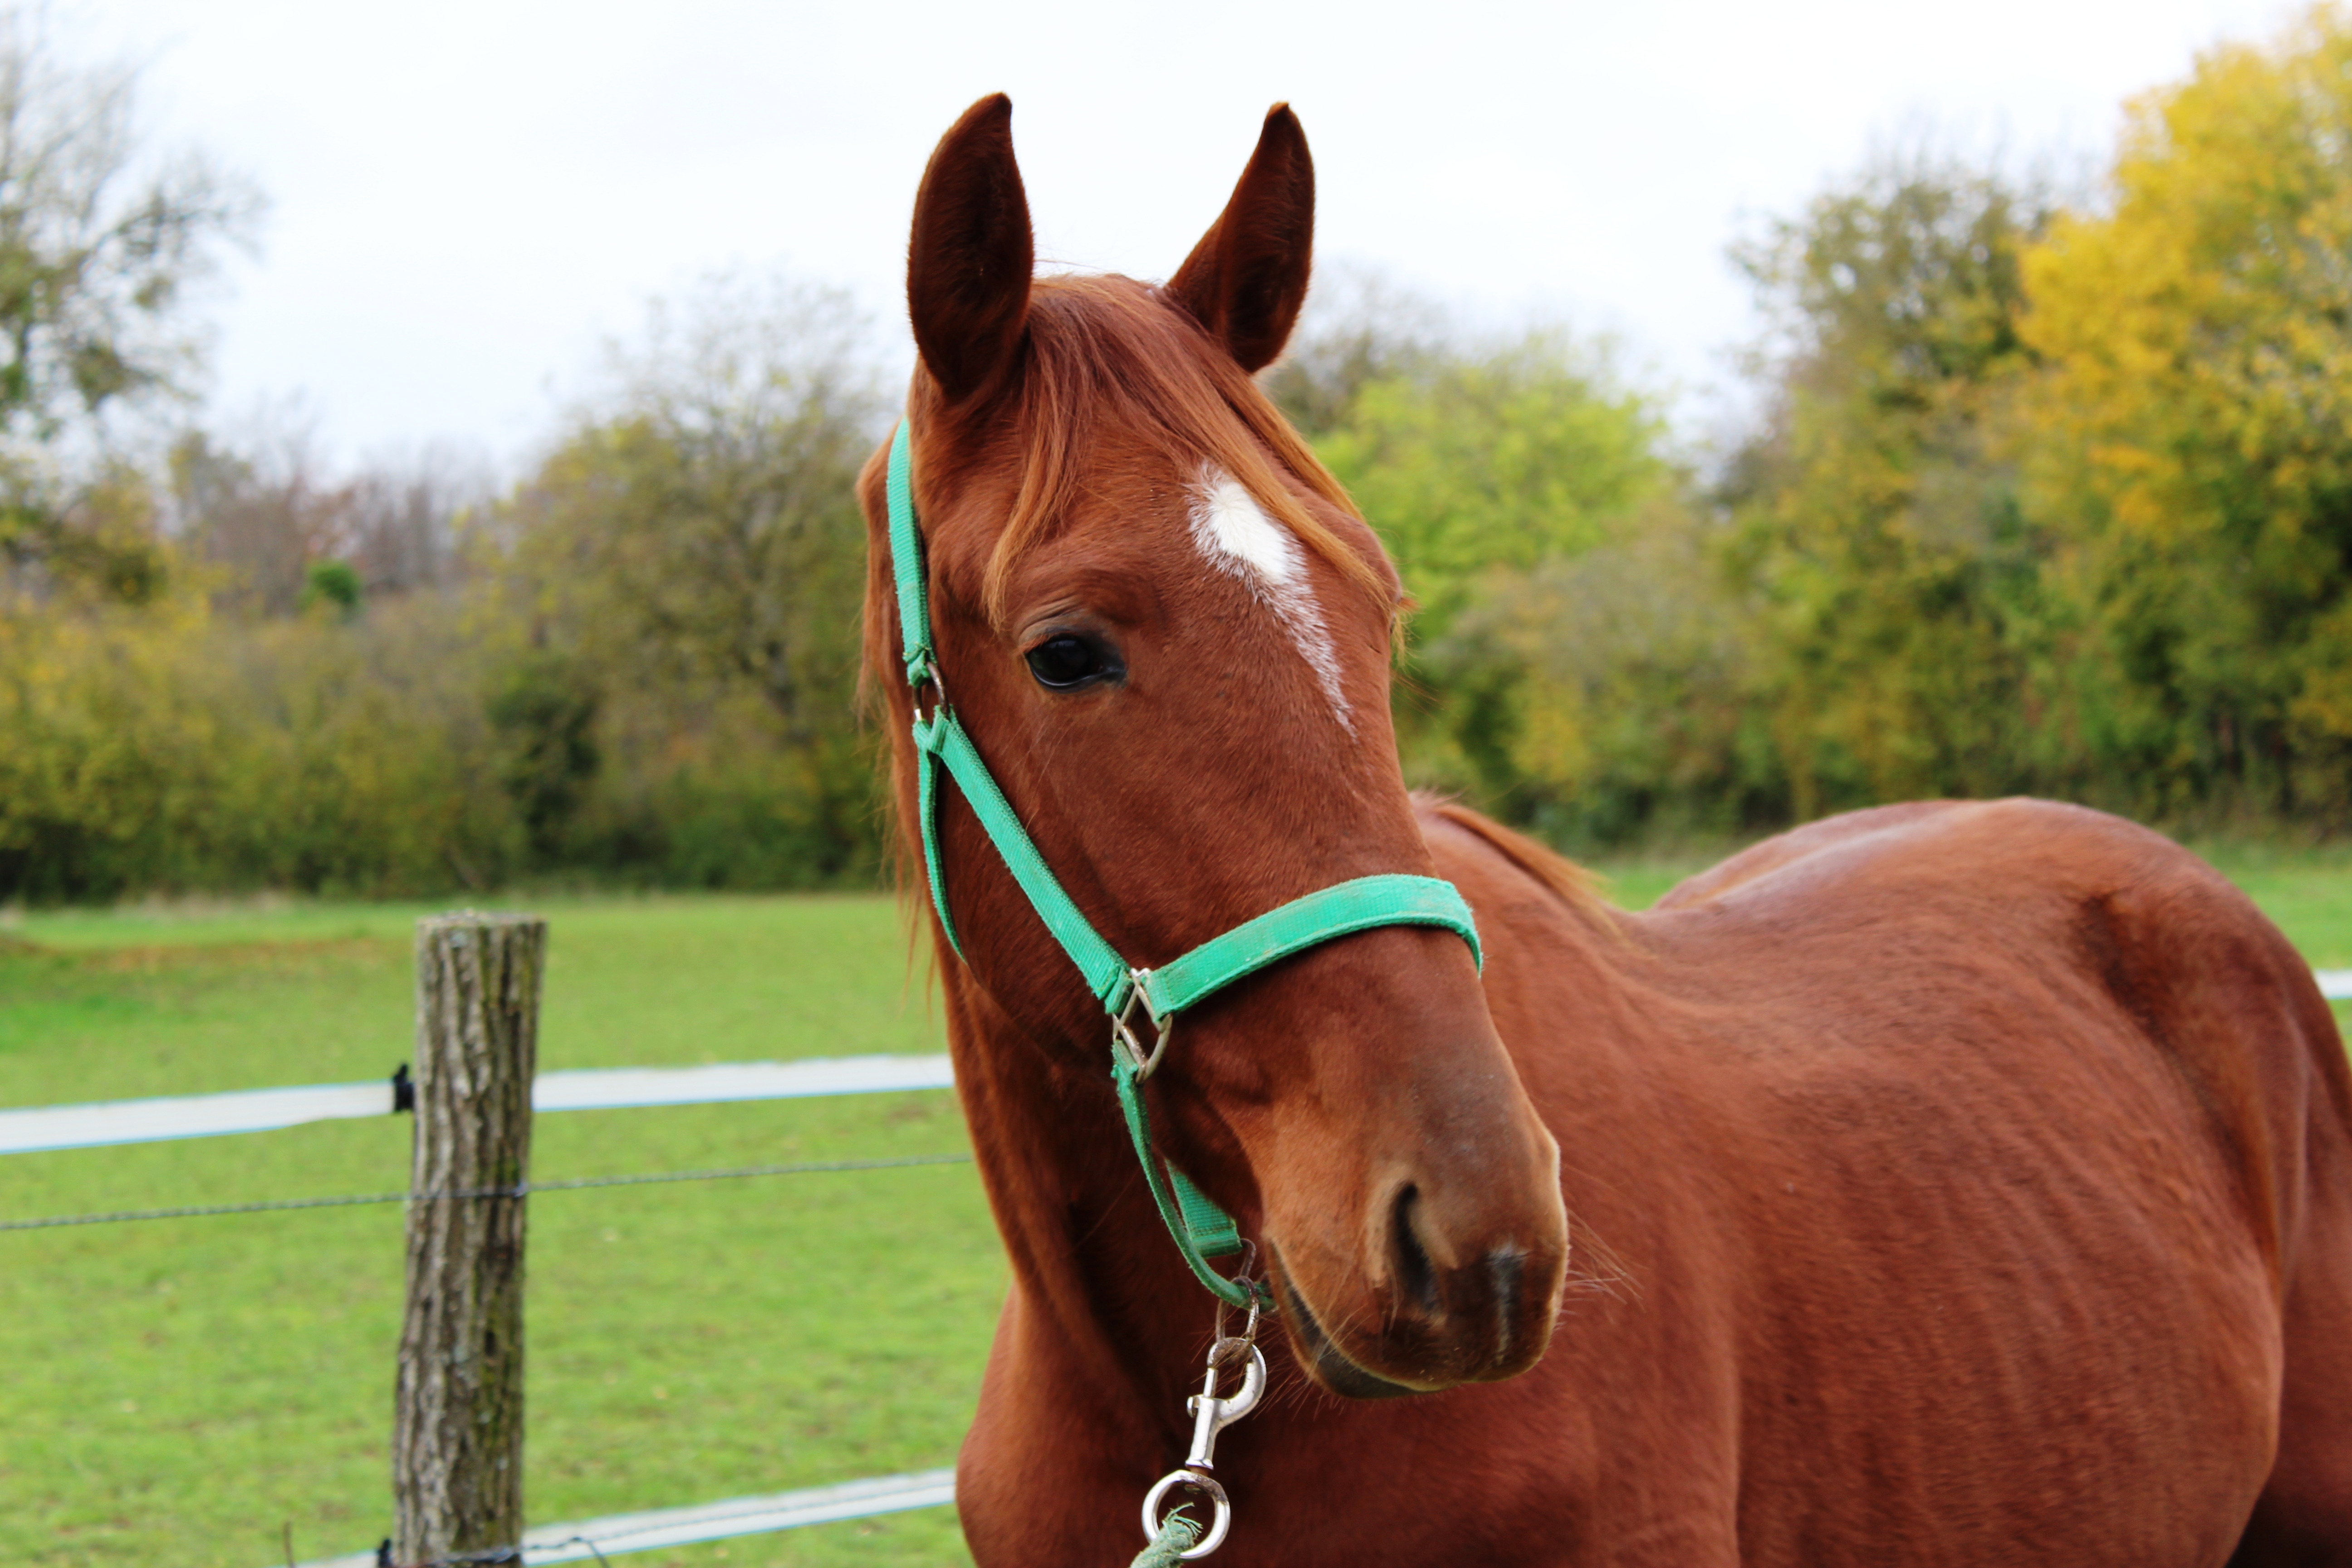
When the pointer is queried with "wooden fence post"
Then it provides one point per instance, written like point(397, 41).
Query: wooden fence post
point(456, 1456)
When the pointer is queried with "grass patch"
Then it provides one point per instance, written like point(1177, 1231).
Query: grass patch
point(177, 1391)
point(2307, 892)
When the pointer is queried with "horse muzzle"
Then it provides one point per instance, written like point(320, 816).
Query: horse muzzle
point(1430, 1314)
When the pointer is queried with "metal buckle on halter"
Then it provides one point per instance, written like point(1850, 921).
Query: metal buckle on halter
point(1122, 1027)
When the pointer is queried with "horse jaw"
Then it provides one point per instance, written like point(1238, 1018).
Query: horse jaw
point(1323, 1360)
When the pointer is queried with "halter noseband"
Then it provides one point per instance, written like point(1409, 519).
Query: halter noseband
point(1201, 1229)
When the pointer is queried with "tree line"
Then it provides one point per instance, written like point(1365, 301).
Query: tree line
point(2042, 492)
point(637, 665)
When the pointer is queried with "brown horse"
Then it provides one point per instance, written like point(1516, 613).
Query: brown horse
point(1960, 1182)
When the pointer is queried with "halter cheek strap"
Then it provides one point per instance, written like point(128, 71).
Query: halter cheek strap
point(1201, 1229)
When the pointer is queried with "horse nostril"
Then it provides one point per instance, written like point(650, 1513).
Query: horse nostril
point(1417, 1275)
point(1506, 1267)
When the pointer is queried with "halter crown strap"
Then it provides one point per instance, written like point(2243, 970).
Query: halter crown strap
point(906, 566)
point(1201, 1229)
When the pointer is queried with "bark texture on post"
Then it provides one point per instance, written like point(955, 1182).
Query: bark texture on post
point(457, 1457)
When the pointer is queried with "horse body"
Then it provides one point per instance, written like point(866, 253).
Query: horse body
point(1923, 1153)
point(1953, 1183)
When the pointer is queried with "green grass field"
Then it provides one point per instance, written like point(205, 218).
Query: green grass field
point(179, 1392)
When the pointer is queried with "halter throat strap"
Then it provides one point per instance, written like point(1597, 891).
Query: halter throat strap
point(1200, 1229)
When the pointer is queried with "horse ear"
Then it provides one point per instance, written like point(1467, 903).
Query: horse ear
point(1247, 279)
point(969, 261)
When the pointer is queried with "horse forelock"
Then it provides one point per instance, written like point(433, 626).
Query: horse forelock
point(1107, 352)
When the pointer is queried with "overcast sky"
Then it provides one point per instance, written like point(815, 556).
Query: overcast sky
point(470, 197)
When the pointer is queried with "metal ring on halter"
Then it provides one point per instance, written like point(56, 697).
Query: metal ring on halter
point(1242, 1276)
point(1222, 1522)
point(931, 677)
point(1122, 1027)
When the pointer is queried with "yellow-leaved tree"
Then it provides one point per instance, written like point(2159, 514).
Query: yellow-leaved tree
point(2189, 434)
point(1890, 584)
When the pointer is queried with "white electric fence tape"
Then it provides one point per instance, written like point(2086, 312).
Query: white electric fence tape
point(659, 1528)
point(264, 1110)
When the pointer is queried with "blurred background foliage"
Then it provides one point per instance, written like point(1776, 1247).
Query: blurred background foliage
point(2036, 490)
point(636, 666)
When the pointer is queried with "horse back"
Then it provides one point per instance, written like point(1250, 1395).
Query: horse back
point(2029, 909)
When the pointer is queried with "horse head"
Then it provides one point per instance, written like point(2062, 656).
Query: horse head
point(1162, 623)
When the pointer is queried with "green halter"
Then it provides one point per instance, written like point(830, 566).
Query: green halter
point(1201, 1229)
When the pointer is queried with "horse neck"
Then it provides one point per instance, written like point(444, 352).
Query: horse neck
point(1095, 1272)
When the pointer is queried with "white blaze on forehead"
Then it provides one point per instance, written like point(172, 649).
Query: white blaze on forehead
point(1234, 534)
point(1231, 530)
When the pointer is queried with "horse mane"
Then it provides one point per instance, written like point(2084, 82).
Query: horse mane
point(1102, 347)
point(1563, 878)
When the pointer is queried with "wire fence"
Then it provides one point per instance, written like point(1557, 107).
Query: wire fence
point(205, 1211)
point(652, 1532)
point(32, 1129)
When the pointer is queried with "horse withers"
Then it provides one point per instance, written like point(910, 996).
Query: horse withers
point(1956, 1182)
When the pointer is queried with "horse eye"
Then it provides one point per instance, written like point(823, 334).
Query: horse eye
point(1065, 660)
